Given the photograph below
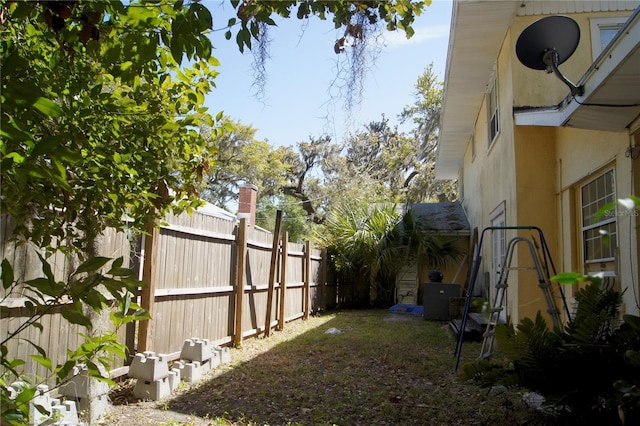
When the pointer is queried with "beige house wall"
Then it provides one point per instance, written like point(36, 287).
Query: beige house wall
point(534, 172)
point(536, 206)
point(582, 155)
point(489, 177)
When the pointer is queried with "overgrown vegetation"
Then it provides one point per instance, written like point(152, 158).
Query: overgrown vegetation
point(588, 372)
point(370, 244)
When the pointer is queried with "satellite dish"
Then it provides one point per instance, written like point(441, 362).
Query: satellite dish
point(547, 43)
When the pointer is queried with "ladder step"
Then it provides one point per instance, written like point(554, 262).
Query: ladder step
point(522, 268)
point(498, 309)
point(486, 356)
point(489, 333)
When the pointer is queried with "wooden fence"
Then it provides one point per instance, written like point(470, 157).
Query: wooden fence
point(193, 267)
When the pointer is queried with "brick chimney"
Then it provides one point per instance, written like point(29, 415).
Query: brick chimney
point(247, 199)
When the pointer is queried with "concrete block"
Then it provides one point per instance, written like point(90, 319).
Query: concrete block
point(149, 367)
point(65, 413)
point(92, 409)
point(224, 353)
point(215, 359)
point(154, 390)
point(174, 379)
point(81, 385)
point(196, 350)
point(41, 401)
point(192, 371)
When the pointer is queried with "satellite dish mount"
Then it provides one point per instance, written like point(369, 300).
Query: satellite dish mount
point(547, 43)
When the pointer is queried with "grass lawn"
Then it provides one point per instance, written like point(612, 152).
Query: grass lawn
point(383, 369)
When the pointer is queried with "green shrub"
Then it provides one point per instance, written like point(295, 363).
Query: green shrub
point(588, 372)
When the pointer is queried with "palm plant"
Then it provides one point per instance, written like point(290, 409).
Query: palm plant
point(370, 244)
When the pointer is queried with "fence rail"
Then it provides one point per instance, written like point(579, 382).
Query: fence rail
point(206, 277)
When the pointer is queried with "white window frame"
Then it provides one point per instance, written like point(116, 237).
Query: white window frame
point(493, 113)
point(597, 25)
point(588, 208)
point(472, 142)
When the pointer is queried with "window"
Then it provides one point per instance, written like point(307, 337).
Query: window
point(603, 30)
point(492, 113)
point(599, 234)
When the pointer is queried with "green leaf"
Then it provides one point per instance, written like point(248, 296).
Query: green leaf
point(633, 321)
point(26, 395)
point(92, 264)
point(48, 107)
point(45, 362)
point(567, 278)
point(177, 48)
point(46, 268)
point(204, 16)
point(75, 317)
point(633, 357)
point(7, 274)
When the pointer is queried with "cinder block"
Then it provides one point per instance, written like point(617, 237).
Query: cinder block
point(192, 372)
point(224, 353)
point(43, 400)
point(215, 359)
point(81, 385)
point(196, 350)
point(64, 414)
point(149, 367)
point(91, 409)
point(174, 379)
point(154, 391)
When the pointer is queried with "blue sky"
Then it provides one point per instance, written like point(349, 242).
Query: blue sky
point(297, 102)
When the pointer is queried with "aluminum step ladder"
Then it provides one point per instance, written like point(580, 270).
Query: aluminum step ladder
point(499, 305)
point(542, 263)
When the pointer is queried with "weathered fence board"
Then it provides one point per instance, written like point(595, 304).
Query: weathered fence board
point(190, 265)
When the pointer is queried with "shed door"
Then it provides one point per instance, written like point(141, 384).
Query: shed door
point(407, 285)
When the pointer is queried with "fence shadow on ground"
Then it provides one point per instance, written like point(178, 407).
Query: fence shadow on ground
point(376, 371)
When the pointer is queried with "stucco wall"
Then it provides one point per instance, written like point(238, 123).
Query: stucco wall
point(536, 206)
point(582, 155)
point(534, 171)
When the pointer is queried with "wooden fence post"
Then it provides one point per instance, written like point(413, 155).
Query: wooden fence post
point(272, 272)
point(241, 244)
point(307, 278)
point(147, 296)
point(283, 280)
point(323, 281)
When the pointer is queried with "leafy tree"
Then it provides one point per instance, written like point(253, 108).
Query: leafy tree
point(101, 127)
point(425, 114)
point(379, 163)
point(294, 218)
point(239, 157)
point(99, 121)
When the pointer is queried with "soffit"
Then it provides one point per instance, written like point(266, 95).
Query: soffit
point(477, 31)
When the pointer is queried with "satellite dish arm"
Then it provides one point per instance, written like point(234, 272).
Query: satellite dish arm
point(551, 59)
